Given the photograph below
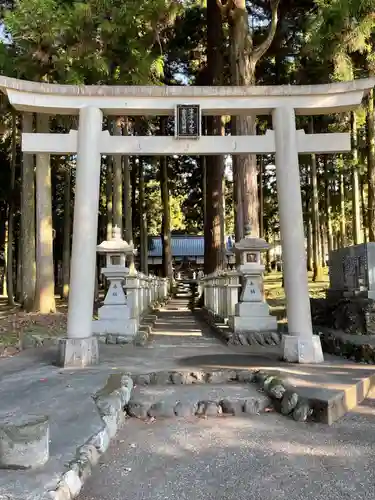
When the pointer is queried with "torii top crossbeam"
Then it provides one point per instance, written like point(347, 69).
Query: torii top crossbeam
point(155, 100)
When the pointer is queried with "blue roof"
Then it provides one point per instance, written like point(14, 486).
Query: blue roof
point(182, 246)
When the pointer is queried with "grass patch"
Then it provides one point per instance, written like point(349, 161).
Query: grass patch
point(275, 293)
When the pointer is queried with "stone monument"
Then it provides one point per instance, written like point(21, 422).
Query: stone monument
point(115, 315)
point(252, 311)
point(350, 300)
point(352, 272)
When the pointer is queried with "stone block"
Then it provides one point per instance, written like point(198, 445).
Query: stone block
point(113, 326)
point(90, 453)
point(73, 482)
point(251, 309)
point(221, 376)
point(138, 409)
point(209, 409)
point(78, 353)
point(185, 409)
point(298, 349)
point(243, 324)
point(24, 442)
point(162, 409)
point(115, 312)
point(233, 406)
point(101, 440)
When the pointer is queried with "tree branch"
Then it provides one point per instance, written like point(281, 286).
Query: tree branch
point(258, 52)
point(224, 7)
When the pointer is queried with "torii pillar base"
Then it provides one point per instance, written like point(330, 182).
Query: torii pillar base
point(297, 349)
point(78, 353)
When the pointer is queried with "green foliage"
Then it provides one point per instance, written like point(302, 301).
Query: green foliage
point(343, 29)
point(96, 41)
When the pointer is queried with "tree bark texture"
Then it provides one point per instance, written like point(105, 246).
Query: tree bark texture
point(128, 196)
point(243, 60)
point(370, 123)
point(45, 287)
point(117, 180)
point(356, 207)
point(143, 219)
point(66, 236)
point(28, 222)
point(166, 218)
point(214, 165)
point(317, 268)
point(342, 210)
point(109, 197)
point(328, 207)
point(10, 255)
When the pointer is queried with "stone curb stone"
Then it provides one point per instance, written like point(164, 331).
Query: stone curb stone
point(110, 401)
point(162, 410)
point(209, 409)
point(233, 406)
point(185, 409)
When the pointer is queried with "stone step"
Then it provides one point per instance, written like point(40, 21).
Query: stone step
point(163, 401)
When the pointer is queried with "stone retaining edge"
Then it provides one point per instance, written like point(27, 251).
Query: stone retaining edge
point(111, 401)
point(35, 340)
point(332, 343)
point(280, 395)
point(231, 338)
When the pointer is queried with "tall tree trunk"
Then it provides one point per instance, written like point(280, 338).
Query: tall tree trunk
point(214, 165)
point(222, 210)
point(261, 196)
point(66, 236)
point(342, 210)
point(370, 122)
point(128, 197)
point(317, 268)
point(45, 287)
point(328, 207)
point(117, 180)
point(322, 245)
point(308, 208)
point(308, 223)
point(9, 258)
point(213, 254)
point(143, 219)
point(203, 161)
point(28, 222)
point(109, 197)
point(19, 270)
point(134, 178)
point(309, 243)
point(363, 207)
point(166, 218)
point(356, 208)
point(6, 244)
point(243, 61)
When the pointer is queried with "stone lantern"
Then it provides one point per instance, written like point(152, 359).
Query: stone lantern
point(252, 311)
point(114, 315)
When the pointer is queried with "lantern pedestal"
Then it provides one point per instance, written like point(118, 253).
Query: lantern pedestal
point(252, 312)
point(114, 317)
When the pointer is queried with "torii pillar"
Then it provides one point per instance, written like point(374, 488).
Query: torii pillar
point(300, 345)
point(80, 348)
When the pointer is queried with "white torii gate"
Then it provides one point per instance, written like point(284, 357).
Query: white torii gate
point(91, 141)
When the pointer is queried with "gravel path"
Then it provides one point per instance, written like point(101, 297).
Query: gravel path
point(229, 458)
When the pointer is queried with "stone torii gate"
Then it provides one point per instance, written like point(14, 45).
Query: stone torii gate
point(90, 141)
